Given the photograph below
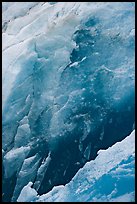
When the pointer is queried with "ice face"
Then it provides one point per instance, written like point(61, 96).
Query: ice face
point(68, 87)
point(109, 178)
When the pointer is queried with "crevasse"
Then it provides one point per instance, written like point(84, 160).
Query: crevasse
point(109, 178)
point(67, 88)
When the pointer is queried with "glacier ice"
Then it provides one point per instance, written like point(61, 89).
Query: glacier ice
point(67, 88)
point(110, 177)
point(28, 194)
point(14, 159)
point(27, 173)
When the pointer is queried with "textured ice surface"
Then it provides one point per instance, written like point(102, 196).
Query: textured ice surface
point(68, 88)
point(110, 177)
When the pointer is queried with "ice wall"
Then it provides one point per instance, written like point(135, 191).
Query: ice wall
point(68, 88)
point(109, 178)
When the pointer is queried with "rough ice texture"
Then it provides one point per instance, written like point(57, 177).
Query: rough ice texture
point(110, 177)
point(68, 88)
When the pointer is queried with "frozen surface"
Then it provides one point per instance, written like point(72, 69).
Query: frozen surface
point(28, 194)
point(14, 159)
point(67, 88)
point(110, 177)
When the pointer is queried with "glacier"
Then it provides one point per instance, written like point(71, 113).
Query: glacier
point(109, 178)
point(68, 90)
